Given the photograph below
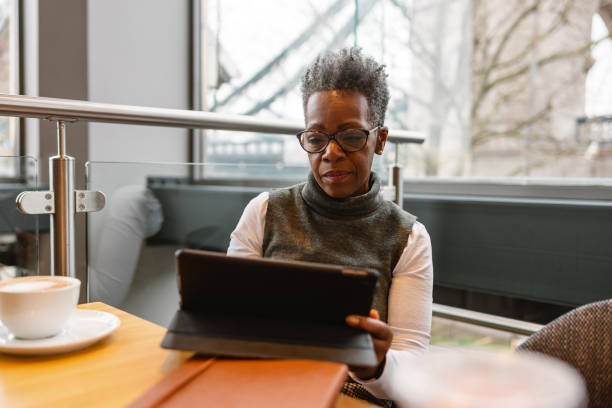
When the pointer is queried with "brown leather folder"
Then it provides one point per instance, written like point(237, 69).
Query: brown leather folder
point(247, 383)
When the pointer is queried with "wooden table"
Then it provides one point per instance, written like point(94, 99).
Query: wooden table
point(111, 373)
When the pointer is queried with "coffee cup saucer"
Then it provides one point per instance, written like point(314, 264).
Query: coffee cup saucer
point(84, 328)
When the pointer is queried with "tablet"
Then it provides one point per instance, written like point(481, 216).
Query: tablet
point(255, 307)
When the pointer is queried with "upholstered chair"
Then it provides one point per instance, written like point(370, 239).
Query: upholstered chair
point(582, 338)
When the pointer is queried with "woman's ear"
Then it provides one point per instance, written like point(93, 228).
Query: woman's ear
point(381, 139)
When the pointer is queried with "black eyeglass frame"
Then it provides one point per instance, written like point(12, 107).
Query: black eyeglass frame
point(333, 137)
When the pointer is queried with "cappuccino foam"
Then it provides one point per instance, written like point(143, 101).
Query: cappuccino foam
point(34, 284)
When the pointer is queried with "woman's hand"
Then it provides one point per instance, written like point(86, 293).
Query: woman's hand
point(381, 337)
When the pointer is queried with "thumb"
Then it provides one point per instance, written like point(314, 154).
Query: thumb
point(374, 314)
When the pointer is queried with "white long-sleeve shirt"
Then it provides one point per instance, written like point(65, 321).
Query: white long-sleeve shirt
point(410, 294)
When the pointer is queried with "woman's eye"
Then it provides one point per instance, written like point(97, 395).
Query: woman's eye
point(314, 139)
point(352, 137)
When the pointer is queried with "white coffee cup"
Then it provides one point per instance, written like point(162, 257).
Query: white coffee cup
point(34, 307)
point(464, 378)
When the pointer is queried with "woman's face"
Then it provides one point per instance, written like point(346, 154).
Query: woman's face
point(338, 173)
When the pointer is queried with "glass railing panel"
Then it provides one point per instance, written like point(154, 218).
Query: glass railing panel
point(23, 237)
point(153, 209)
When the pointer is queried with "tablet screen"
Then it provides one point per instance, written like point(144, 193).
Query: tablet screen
point(213, 283)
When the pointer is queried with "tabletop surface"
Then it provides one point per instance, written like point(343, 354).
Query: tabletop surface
point(110, 373)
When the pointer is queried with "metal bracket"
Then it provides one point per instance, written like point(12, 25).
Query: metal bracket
point(42, 202)
point(89, 201)
point(62, 119)
point(36, 202)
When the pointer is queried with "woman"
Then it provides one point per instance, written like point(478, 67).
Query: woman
point(339, 216)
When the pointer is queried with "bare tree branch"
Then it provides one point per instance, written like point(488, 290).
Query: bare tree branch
point(506, 36)
point(553, 27)
point(544, 61)
point(485, 135)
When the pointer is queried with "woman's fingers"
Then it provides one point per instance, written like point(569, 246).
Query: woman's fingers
point(375, 327)
point(381, 339)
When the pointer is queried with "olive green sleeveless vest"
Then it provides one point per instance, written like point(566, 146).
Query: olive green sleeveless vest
point(305, 224)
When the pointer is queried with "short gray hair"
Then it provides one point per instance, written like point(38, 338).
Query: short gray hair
point(348, 69)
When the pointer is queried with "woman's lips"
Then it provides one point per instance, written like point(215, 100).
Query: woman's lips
point(336, 176)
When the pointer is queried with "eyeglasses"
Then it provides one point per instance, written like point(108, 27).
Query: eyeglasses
point(349, 140)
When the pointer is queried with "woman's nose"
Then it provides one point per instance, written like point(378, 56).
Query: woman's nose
point(333, 151)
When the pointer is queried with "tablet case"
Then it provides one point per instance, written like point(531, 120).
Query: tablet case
point(247, 383)
point(254, 307)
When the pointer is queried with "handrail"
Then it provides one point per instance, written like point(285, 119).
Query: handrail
point(70, 110)
point(59, 202)
point(485, 320)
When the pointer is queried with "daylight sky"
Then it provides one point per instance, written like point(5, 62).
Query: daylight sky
point(598, 99)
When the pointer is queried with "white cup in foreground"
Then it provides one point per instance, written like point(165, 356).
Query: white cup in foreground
point(472, 379)
point(34, 307)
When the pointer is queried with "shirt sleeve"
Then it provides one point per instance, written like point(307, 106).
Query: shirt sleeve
point(247, 238)
point(410, 301)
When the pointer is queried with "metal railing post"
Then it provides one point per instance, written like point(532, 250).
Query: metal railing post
point(61, 203)
point(61, 181)
point(395, 178)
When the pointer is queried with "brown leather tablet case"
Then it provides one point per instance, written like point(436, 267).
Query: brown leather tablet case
point(247, 383)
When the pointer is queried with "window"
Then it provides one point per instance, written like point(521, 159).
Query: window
point(499, 88)
point(9, 141)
